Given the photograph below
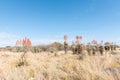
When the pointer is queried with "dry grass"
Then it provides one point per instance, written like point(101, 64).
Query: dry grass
point(47, 66)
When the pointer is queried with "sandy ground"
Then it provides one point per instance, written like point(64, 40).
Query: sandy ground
point(60, 66)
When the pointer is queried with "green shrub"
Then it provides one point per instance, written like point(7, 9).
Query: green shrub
point(114, 53)
point(36, 50)
point(22, 61)
point(53, 50)
point(81, 56)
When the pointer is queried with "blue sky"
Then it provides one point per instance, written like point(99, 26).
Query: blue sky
point(46, 21)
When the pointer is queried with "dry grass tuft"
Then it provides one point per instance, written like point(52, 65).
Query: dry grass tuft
point(45, 66)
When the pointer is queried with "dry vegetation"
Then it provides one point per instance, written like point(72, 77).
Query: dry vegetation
point(50, 66)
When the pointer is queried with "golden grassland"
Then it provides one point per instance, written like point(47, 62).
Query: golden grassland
point(50, 66)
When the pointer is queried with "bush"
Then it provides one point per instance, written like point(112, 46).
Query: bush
point(57, 45)
point(36, 50)
point(19, 49)
point(114, 53)
point(52, 50)
point(81, 57)
point(22, 61)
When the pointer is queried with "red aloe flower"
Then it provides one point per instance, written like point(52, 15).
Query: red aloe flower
point(28, 42)
point(23, 42)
